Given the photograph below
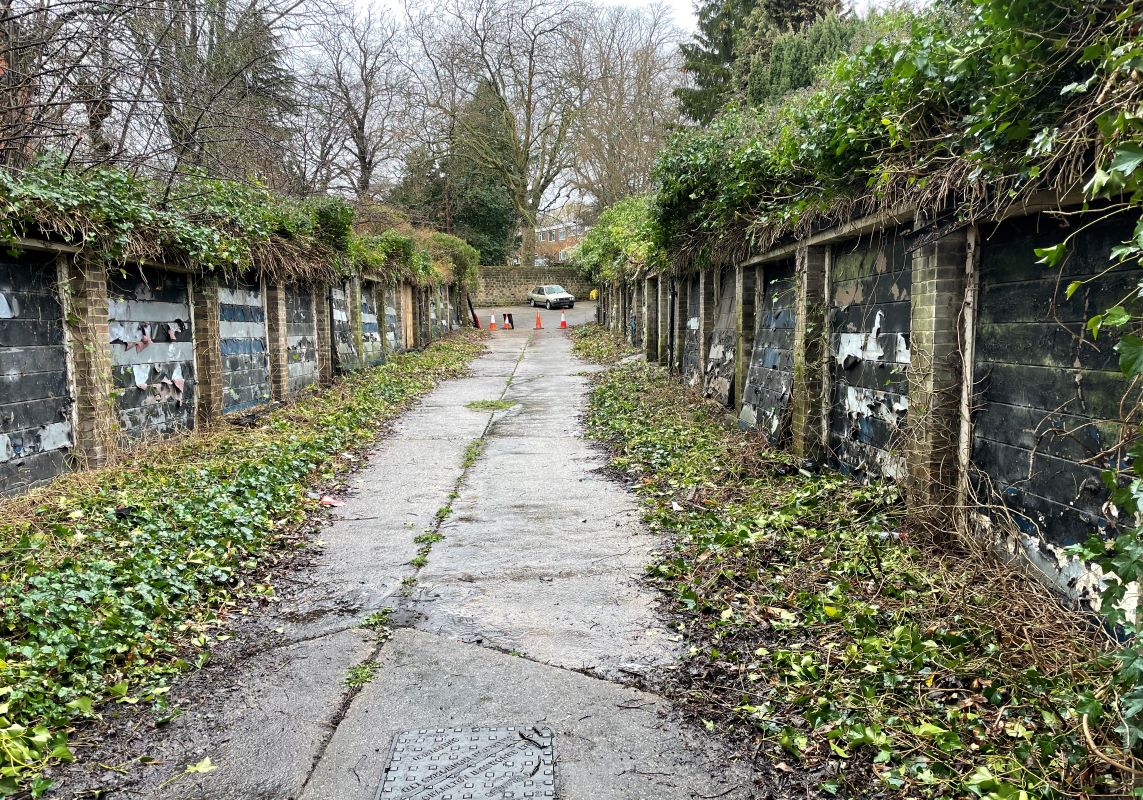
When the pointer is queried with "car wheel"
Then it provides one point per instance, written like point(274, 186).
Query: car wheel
point(549, 305)
point(531, 302)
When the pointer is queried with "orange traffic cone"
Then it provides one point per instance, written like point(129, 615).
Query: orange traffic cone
point(539, 325)
point(492, 321)
point(507, 325)
point(563, 320)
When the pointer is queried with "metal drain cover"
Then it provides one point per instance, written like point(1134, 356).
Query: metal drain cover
point(511, 763)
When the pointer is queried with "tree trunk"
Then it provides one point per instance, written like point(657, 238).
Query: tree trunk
point(528, 245)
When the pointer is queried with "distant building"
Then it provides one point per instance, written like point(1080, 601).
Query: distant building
point(558, 233)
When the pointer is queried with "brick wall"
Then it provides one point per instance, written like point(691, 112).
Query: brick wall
point(950, 361)
point(93, 359)
point(503, 286)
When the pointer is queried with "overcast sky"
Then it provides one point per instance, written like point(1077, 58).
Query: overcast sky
point(682, 10)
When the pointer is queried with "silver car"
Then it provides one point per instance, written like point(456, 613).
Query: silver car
point(553, 296)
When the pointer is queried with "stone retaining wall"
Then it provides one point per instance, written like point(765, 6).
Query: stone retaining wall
point(502, 286)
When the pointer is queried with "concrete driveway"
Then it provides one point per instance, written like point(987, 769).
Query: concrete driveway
point(525, 316)
point(526, 611)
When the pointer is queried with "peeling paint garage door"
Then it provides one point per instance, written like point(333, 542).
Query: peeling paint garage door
point(301, 338)
point(394, 331)
point(371, 349)
point(344, 342)
point(636, 316)
point(152, 350)
point(719, 379)
point(35, 406)
point(242, 330)
point(766, 398)
point(869, 355)
point(1048, 395)
point(690, 366)
point(423, 315)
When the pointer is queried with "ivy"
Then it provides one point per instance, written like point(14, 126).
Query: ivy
point(621, 244)
point(113, 580)
point(830, 639)
point(970, 107)
point(980, 101)
point(217, 225)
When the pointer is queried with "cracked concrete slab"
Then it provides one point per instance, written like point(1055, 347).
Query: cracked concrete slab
point(528, 610)
point(612, 741)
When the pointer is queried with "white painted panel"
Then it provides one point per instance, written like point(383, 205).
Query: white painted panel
point(240, 297)
point(152, 354)
point(241, 330)
point(148, 311)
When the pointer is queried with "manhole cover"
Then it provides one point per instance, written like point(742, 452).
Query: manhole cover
point(512, 763)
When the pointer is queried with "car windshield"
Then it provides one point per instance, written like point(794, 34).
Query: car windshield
point(553, 290)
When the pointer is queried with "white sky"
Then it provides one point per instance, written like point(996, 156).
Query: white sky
point(683, 11)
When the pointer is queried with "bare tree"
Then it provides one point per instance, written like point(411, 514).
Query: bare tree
point(515, 60)
point(630, 67)
point(152, 84)
point(315, 157)
point(367, 83)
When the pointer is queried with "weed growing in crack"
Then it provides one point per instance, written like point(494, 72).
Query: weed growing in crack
point(473, 451)
point(419, 560)
point(378, 619)
point(378, 622)
point(491, 405)
point(429, 538)
point(361, 674)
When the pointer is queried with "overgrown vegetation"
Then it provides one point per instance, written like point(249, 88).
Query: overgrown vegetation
point(361, 674)
point(621, 244)
point(112, 577)
point(837, 645)
point(596, 344)
point(971, 107)
point(213, 225)
point(960, 111)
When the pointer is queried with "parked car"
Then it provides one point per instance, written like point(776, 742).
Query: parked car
point(553, 296)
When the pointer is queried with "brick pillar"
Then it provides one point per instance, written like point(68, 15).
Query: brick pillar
point(745, 293)
point(663, 316)
point(651, 319)
point(323, 324)
point(706, 319)
point(276, 340)
point(935, 373)
point(383, 293)
point(353, 306)
point(207, 350)
point(682, 314)
point(86, 312)
point(616, 309)
point(809, 400)
point(621, 309)
point(442, 309)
